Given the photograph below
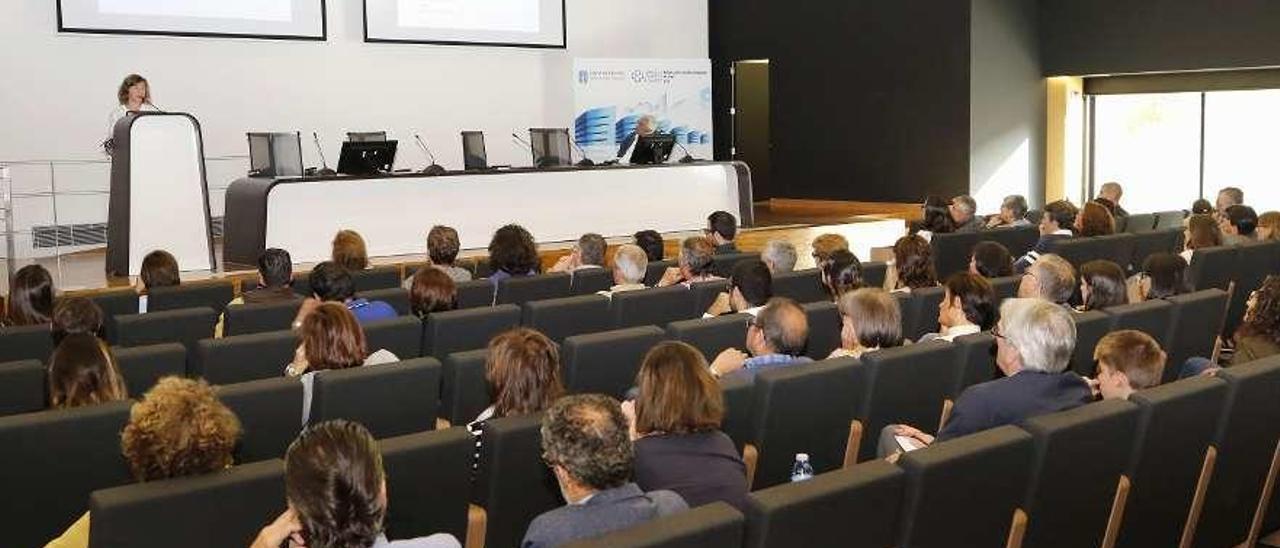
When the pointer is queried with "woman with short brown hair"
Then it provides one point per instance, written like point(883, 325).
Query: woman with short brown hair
point(1094, 220)
point(523, 370)
point(30, 299)
point(82, 372)
point(913, 264)
point(349, 251)
point(432, 290)
point(1202, 231)
point(330, 338)
point(675, 419)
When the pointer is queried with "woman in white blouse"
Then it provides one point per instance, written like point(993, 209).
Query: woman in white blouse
point(134, 96)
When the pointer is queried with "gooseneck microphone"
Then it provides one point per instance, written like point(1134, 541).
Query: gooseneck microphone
point(585, 161)
point(323, 171)
point(529, 147)
point(688, 156)
point(434, 168)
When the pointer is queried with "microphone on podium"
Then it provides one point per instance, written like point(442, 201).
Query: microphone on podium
point(688, 156)
point(323, 171)
point(585, 162)
point(529, 146)
point(434, 168)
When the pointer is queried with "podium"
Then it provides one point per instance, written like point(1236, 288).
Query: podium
point(159, 194)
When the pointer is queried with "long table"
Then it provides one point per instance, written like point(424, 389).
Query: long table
point(394, 212)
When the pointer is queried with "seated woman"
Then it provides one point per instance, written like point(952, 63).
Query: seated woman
point(652, 244)
point(331, 338)
point(1202, 231)
point(512, 254)
point(179, 429)
point(82, 372)
point(432, 290)
point(30, 298)
point(1163, 275)
point(968, 306)
point(1257, 337)
point(841, 273)
point(442, 249)
point(1268, 227)
point(912, 264)
point(937, 218)
point(330, 282)
point(675, 424)
point(523, 371)
point(1094, 220)
point(349, 251)
point(1102, 285)
point(74, 315)
point(991, 260)
point(694, 264)
point(870, 319)
point(1055, 224)
point(826, 244)
point(159, 269)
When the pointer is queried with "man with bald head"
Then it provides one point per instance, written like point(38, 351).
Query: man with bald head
point(1109, 196)
point(775, 338)
point(646, 125)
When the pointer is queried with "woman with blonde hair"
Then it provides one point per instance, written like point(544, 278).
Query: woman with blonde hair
point(349, 251)
point(1268, 226)
point(82, 372)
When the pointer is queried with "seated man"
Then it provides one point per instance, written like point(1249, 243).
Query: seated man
point(652, 244)
point(750, 287)
point(1034, 342)
point(693, 266)
point(587, 253)
point(1228, 197)
point(968, 306)
point(1128, 361)
point(275, 283)
point(332, 283)
point(1013, 213)
point(963, 209)
point(1109, 196)
point(629, 266)
point(336, 490)
point(776, 338)
point(722, 228)
point(1055, 224)
point(442, 249)
point(1239, 225)
point(1052, 278)
point(779, 256)
point(586, 441)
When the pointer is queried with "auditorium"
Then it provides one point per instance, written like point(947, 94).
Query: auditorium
point(618, 274)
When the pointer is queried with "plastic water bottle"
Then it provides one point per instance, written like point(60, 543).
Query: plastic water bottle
point(801, 470)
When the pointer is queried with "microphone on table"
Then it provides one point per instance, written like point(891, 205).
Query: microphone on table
point(323, 171)
point(688, 157)
point(585, 162)
point(434, 168)
point(529, 146)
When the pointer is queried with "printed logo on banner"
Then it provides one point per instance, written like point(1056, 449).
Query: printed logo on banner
point(613, 94)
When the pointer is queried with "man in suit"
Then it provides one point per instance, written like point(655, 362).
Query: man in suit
point(646, 125)
point(587, 443)
point(1109, 196)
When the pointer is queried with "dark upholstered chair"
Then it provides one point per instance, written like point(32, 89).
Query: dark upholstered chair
point(27, 342)
point(447, 332)
point(824, 329)
point(737, 391)
point(589, 281)
point(270, 412)
point(512, 484)
point(1140, 222)
point(1212, 267)
point(568, 316)
point(1151, 317)
point(1254, 262)
point(186, 326)
point(390, 399)
point(606, 362)
point(711, 525)
point(1006, 287)
point(924, 317)
point(377, 278)
point(1197, 320)
point(874, 273)
point(142, 366)
point(951, 251)
point(214, 295)
point(243, 358)
point(22, 387)
point(475, 294)
point(532, 288)
point(245, 319)
point(464, 391)
point(659, 306)
point(1149, 243)
point(976, 353)
point(802, 286)
point(852, 508)
point(401, 336)
point(722, 265)
point(397, 297)
point(904, 385)
point(1018, 240)
point(1166, 220)
point(656, 269)
point(706, 293)
point(1091, 326)
point(712, 335)
point(1077, 251)
point(428, 483)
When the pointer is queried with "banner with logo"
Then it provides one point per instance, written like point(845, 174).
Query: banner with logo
point(611, 95)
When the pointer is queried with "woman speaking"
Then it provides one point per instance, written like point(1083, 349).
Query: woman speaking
point(134, 96)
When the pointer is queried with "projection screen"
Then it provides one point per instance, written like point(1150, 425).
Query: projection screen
point(274, 19)
point(517, 23)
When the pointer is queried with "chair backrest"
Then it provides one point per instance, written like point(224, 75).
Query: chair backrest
point(874, 273)
point(1076, 251)
point(802, 286)
point(1247, 434)
point(1176, 424)
point(1149, 243)
point(373, 279)
point(1079, 457)
point(480, 266)
point(656, 269)
point(475, 294)
point(1091, 326)
point(186, 326)
point(715, 524)
point(243, 358)
point(590, 280)
point(1170, 219)
point(22, 387)
point(1006, 287)
point(607, 362)
point(1018, 240)
point(532, 288)
point(905, 385)
point(52, 461)
point(976, 354)
point(214, 295)
point(142, 366)
point(712, 335)
point(722, 265)
point(1140, 222)
point(27, 342)
point(213, 510)
point(856, 507)
point(1117, 248)
point(401, 336)
point(1151, 317)
point(1212, 267)
point(512, 484)
point(560, 318)
point(738, 392)
point(397, 297)
point(270, 412)
point(659, 306)
point(464, 391)
point(824, 329)
point(1254, 262)
point(244, 319)
point(924, 317)
point(390, 400)
point(115, 303)
point(951, 251)
point(963, 492)
point(1197, 320)
point(706, 293)
point(802, 409)
point(428, 482)
point(447, 332)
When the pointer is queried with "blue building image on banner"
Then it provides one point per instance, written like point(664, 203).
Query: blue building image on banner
point(593, 127)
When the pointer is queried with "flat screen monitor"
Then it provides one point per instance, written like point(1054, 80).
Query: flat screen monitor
point(275, 154)
point(653, 149)
point(367, 158)
point(550, 147)
point(366, 136)
point(473, 153)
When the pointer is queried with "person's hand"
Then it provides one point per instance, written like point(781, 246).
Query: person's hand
point(1210, 372)
point(285, 527)
point(308, 305)
point(299, 364)
point(629, 411)
point(911, 432)
point(730, 360)
point(722, 305)
point(670, 277)
point(564, 264)
point(1094, 386)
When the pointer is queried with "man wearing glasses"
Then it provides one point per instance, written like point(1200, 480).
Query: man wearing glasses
point(776, 337)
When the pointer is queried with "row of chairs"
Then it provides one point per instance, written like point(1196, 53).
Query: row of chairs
point(1129, 250)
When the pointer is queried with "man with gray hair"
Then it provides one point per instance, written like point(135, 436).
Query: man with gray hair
point(629, 266)
point(1013, 213)
point(779, 256)
point(1034, 342)
point(587, 253)
point(962, 209)
point(1051, 278)
point(645, 125)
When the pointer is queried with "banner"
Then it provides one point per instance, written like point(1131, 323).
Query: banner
point(611, 95)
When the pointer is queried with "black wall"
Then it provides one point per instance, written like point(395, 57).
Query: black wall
point(1085, 37)
point(870, 98)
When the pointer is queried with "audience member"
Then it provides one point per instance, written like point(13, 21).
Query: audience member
point(963, 211)
point(159, 269)
point(330, 338)
point(968, 306)
point(30, 299)
point(841, 273)
point(779, 256)
point(1055, 224)
point(870, 319)
point(1109, 196)
point(275, 284)
point(675, 423)
point(1238, 225)
point(1163, 275)
point(349, 251)
point(1094, 220)
point(1051, 278)
point(722, 228)
point(991, 260)
point(82, 372)
point(1269, 226)
point(1034, 342)
point(1102, 285)
point(585, 442)
point(750, 287)
point(1227, 197)
point(336, 490)
point(1128, 361)
point(331, 282)
point(432, 290)
point(512, 254)
point(630, 264)
point(1202, 207)
point(1013, 213)
point(523, 372)
point(442, 248)
point(694, 264)
point(1202, 231)
point(74, 315)
point(826, 244)
point(588, 253)
point(936, 218)
point(652, 244)
point(775, 338)
point(179, 429)
point(912, 264)
point(1257, 337)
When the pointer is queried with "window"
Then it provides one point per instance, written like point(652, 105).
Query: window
point(1240, 133)
point(1150, 143)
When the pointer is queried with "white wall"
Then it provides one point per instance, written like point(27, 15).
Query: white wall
point(59, 88)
